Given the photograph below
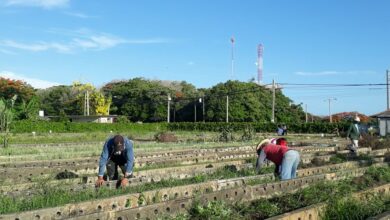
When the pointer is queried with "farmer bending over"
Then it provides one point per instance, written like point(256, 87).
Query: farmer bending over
point(117, 151)
point(286, 160)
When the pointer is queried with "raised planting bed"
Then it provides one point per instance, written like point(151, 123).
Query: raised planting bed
point(150, 197)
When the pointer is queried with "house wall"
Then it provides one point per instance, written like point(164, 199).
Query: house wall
point(384, 126)
point(96, 120)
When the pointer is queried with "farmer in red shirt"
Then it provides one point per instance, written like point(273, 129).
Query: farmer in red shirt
point(286, 160)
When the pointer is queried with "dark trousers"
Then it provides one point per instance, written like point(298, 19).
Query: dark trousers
point(112, 169)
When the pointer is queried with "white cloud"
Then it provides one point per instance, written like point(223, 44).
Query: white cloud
point(78, 15)
point(47, 4)
point(329, 73)
point(36, 47)
point(84, 41)
point(36, 83)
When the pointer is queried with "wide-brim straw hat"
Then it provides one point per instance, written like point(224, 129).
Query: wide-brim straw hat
point(262, 143)
point(357, 119)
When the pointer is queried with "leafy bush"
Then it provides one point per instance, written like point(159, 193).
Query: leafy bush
point(313, 127)
point(122, 119)
point(26, 126)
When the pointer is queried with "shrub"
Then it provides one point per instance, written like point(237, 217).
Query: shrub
point(26, 126)
point(226, 135)
point(165, 137)
point(248, 133)
point(122, 119)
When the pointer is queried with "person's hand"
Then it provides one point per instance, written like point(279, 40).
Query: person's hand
point(99, 181)
point(124, 182)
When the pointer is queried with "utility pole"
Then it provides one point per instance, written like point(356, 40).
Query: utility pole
point(227, 109)
point(201, 100)
point(306, 112)
point(387, 88)
point(169, 110)
point(330, 115)
point(86, 103)
point(232, 70)
point(273, 101)
point(195, 111)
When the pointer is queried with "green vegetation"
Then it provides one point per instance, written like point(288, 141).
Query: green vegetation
point(51, 196)
point(352, 208)
point(27, 126)
point(333, 193)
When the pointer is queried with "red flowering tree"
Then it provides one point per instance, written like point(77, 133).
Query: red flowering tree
point(10, 87)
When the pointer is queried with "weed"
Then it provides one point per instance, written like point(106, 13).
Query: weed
point(248, 133)
point(226, 135)
point(141, 199)
point(352, 208)
point(212, 210)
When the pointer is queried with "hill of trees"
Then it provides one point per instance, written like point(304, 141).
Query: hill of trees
point(139, 99)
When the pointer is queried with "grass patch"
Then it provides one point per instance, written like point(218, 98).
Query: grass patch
point(51, 196)
point(334, 193)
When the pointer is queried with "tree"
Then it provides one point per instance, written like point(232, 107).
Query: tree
point(6, 117)
point(139, 99)
point(249, 102)
point(57, 99)
point(10, 87)
point(101, 104)
point(98, 103)
point(30, 110)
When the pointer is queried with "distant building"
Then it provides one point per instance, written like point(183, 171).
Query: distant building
point(383, 122)
point(89, 118)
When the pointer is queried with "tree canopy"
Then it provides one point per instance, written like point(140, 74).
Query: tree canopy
point(140, 99)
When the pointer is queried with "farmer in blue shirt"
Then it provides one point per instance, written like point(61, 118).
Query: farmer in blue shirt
point(117, 151)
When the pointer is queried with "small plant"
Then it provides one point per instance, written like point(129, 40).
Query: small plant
point(226, 135)
point(141, 199)
point(212, 210)
point(128, 203)
point(248, 133)
point(338, 158)
point(262, 209)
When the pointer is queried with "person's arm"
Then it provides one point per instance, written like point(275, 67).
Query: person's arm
point(349, 131)
point(260, 160)
point(103, 159)
point(130, 157)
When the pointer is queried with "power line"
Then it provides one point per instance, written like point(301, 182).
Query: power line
point(333, 84)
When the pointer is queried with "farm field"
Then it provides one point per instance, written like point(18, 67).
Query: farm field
point(195, 177)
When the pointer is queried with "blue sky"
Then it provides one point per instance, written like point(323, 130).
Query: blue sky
point(48, 42)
